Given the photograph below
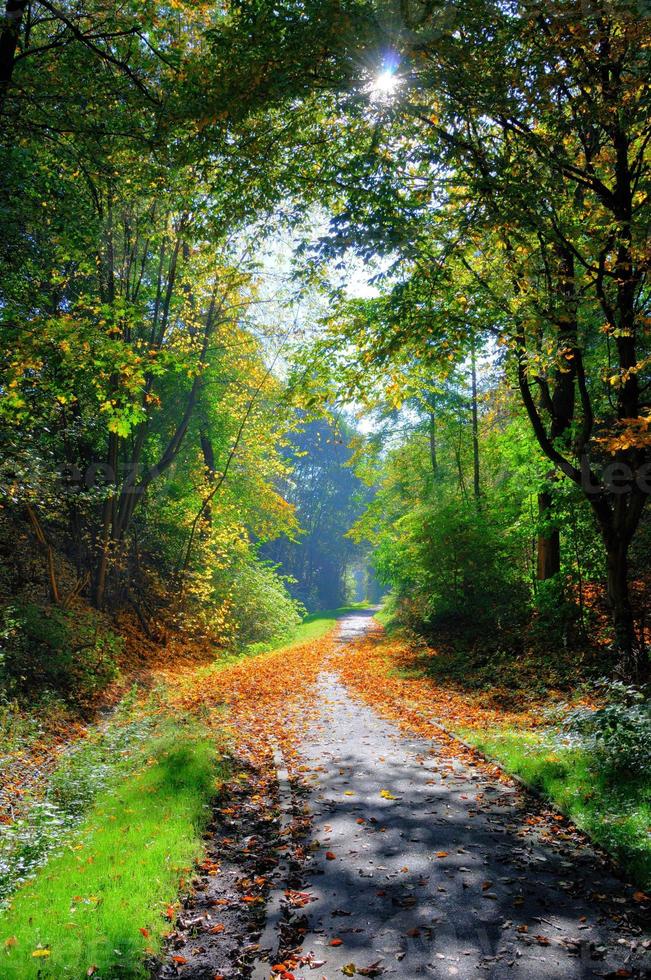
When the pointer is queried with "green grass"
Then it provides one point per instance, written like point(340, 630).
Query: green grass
point(313, 627)
point(88, 905)
point(387, 613)
point(614, 811)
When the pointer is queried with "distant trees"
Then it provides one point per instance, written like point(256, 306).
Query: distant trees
point(328, 497)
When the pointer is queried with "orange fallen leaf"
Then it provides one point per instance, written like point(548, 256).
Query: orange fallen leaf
point(145, 932)
point(330, 856)
point(336, 942)
point(179, 959)
point(442, 854)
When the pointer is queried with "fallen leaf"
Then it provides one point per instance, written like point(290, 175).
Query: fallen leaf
point(330, 856)
point(41, 952)
point(145, 932)
point(386, 794)
point(336, 942)
point(442, 854)
point(374, 970)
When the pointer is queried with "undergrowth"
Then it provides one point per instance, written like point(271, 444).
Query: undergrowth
point(100, 907)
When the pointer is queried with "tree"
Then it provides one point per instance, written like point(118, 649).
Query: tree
point(512, 165)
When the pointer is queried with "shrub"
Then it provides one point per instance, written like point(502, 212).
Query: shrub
point(617, 734)
point(557, 618)
point(261, 606)
point(70, 653)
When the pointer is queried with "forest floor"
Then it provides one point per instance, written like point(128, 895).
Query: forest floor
point(350, 835)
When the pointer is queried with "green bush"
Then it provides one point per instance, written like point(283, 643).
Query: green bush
point(618, 735)
point(557, 619)
point(47, 649)
point(262, 608)
point(454, 565)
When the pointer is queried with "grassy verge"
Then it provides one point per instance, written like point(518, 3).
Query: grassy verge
point(313, 627)
point(98, 908)
point(386, 614)
point(616, 813)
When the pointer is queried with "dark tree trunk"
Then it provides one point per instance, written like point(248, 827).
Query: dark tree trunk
point(209, 462)
point(9, 34)
point(475, 430)
point(620, 604)
point(549, 541)
point(432, 444)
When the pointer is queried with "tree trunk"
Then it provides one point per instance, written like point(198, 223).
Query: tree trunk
point(475, 429)
point(209, 462)
point(9, 34)
point(549, 541)
point(620, 604)
point(432, 444)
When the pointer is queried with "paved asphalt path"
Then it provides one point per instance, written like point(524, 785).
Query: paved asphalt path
point(447, 879)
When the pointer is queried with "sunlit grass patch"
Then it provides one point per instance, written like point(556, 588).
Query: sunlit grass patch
point(313, 627)
point(615, 812)
point(100, 905)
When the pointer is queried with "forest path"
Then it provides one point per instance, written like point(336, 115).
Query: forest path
point(425, 866)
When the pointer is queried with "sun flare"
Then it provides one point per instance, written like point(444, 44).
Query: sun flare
point(384, 84)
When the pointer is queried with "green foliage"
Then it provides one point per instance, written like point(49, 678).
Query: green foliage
point(618, 734)
point(261, 605)
point(136, 842)
point(557, 616)
point(71, 653)
point(453, 560)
